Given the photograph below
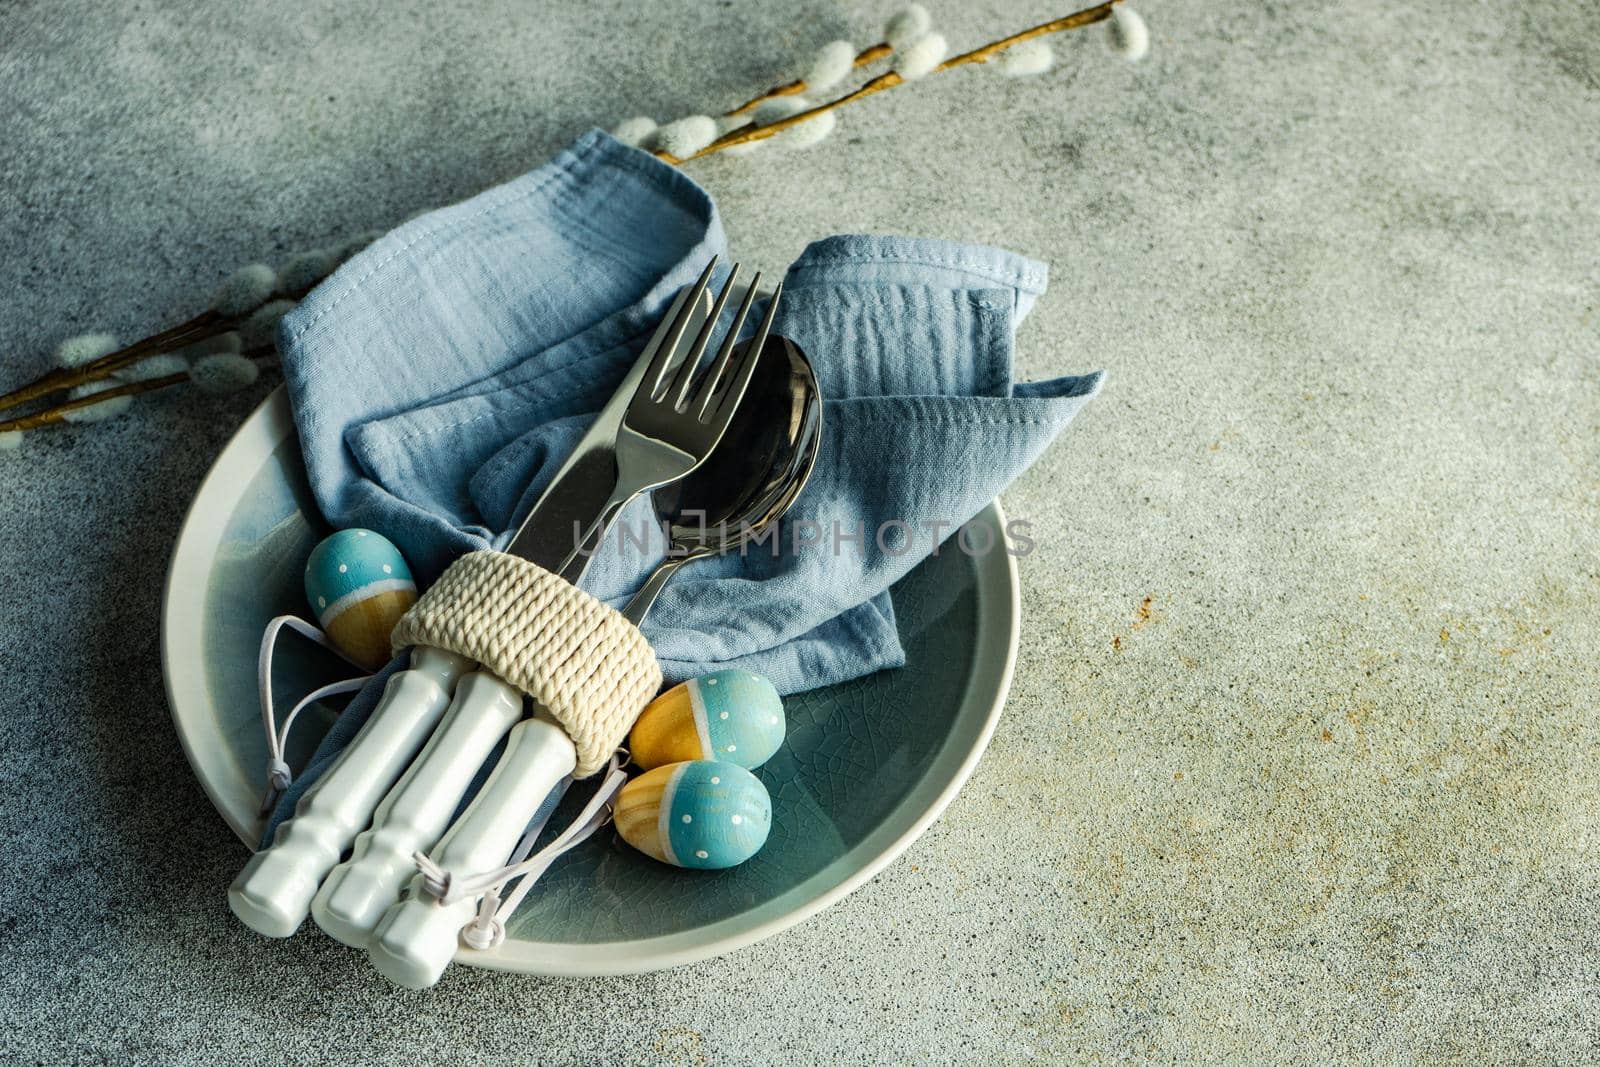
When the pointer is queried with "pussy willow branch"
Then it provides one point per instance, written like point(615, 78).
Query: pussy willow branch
point(204, 325)
point(865, 57)
point(59, 413)
point(748, 134)
point(209, 323)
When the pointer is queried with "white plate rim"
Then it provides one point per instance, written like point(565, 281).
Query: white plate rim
point(231, 790)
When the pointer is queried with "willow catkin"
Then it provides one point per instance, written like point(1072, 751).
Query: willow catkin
point(244, 290)
point(106, 409)
point(635, 131)
point(84, 348)
point(224, 372)
point(158, 366)
point(303, 270)
point(1128, 34)
point(832, 63)
point(919, 58)
point(906, 25)
point(1024, 60)
point(261, 328)
point(687, 136)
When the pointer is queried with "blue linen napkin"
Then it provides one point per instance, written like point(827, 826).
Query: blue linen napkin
point(439, 378)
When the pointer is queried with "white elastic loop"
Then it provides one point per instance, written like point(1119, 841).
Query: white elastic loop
point(484, 934)
point(595, 815)
point(480, 928)
point(485, 931)
point(530, 836)
point(279, 776)
point(487, 928)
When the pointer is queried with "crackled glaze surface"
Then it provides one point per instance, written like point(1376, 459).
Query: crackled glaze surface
point(853, 754)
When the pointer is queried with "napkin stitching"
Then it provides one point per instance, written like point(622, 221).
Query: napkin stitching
point(883, 248)
point(971, 266)
point(949, 417)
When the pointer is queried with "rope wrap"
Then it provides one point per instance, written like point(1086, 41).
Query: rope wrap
point(591, 668)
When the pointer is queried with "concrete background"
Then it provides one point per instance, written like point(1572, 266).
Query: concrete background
point(1299, 766)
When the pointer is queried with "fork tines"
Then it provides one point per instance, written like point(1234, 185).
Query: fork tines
point(675, 381)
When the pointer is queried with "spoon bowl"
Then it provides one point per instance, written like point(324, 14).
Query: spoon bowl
point(752, 478)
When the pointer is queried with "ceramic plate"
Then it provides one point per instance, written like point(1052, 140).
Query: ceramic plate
point(866, 768)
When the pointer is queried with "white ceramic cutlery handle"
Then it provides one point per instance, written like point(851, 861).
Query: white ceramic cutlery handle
point(417, 810)
point(273, 892)
point(417, 937)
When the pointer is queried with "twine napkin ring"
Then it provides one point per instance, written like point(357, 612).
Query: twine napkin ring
point(587, 665)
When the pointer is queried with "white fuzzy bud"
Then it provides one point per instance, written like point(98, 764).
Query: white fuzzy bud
point(801, 135)
point(106, 409)
point(687, 136)
point(261, 329)
point(84, 348)
point(1128, 34)
point(10, 440)
point(907, 25)
point(807, 133)
point(917, 59)
point(244, 290)
point(729, 123)
point(153, 367)
point(1024, 59)
point(778, 108)
point(224, 373)
point(306, 269)
point(832, 63)
point(635, 131)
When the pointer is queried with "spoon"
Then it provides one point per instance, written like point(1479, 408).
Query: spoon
point(746, 485)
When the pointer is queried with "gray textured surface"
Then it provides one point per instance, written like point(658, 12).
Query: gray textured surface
point(1300, 760)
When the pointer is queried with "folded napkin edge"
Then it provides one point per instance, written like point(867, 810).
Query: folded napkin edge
point(1009, 268)
point(593, 149)
point(1046, 403)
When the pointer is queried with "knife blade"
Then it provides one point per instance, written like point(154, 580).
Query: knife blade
point(570, 503)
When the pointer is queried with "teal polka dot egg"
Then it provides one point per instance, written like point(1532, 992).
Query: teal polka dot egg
point(731, 715)
point(358, 584)
point(700, 814)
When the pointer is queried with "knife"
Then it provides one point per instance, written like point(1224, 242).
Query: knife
point(277, 888)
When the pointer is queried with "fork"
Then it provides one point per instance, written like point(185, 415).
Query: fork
point(676, 418)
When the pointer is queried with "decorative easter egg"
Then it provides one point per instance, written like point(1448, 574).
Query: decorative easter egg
point(359, 586)
point(733, 716)
point(702, 814)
